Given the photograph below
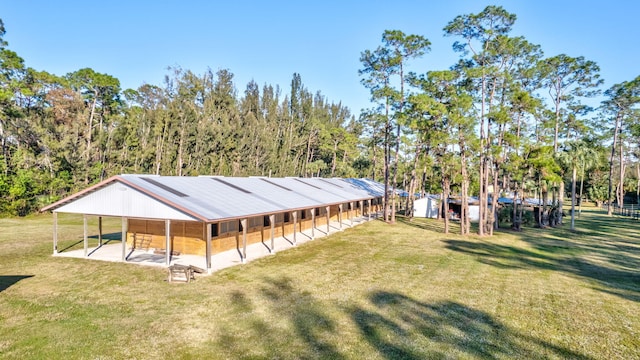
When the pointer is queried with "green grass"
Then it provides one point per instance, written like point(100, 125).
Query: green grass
point(377, 291)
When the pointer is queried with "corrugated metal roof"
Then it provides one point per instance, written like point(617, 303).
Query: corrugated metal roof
point(207, 198)
point(373, 188)
point(118, 199)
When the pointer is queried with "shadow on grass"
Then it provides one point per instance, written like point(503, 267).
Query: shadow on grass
point(109, 236)
point(309, 335)
point(597, 252)
point(404, 328)
point(7, 280)
point(435, 225)
point(106, 239)
point(392, 325)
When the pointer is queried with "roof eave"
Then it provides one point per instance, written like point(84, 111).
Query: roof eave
point(80, 194)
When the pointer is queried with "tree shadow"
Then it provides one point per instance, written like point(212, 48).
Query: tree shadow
point(106, 239)
point(310, 335)
point(613, 263)
point(435, 225)
point(400, 327)
point(306, 314)
point(108, 236)
point(7, 280)
point(392, 324)
point(429, 224)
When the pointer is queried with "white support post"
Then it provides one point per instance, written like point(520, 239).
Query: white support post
point(123, 236)
point(167, 234)
point(351, 214)
point(99, 231)
point(313, 223)
point(55, 233)
point(295, 223)
point(340, 216)
point(243, 222)
point(208, 246)
point(84, 235)
point(272, 221)
point(361, 209)
point(369, 209)
point(328, 209)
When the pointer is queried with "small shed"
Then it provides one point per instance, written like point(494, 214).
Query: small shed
point(426, 207)
point(455, 204)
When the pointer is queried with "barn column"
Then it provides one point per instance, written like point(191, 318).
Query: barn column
point(55, 233)
point(167, 234)
point(353, 210)
point(243, 223)
point(272, 222)
point(340, 216)
point(207, 234)
point(313, 223)
point(123, 236)
point(295, 226)
point(328, 209)
point(369, 209)
point(84, 235)
point(361, 209)
point(99, 231)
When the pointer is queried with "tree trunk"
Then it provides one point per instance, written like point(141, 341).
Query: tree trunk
point(180, 159)
point(515, 222)
point(521, 209)
point(464, 205)
point(395, 176)
point(387, 158)
point(622, 171)
point(483, 161)
point(573, 197)
point(412, 185)
point(89, 138)
point(560, 203)
point(638, 184)
point(308, 158)
point(613, 154)
point(334, 159)
point(494, 201)
point(445, 196)
point(581, 187)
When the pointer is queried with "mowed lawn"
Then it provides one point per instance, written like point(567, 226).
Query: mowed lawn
point(376, 291)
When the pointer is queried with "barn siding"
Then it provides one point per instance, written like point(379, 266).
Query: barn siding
point(187, 236)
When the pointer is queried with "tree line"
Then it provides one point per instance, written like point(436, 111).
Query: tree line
point(504, 120)
point(60, 134)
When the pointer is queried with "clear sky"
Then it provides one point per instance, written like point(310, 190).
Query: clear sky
point(267, 41)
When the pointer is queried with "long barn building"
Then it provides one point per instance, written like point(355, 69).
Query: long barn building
point(206, 215)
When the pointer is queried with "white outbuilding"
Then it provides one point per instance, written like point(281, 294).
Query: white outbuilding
point(426, 207)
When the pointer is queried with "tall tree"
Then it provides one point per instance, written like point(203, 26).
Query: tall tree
point(478, 32)
point(402, 49)
point(102, 100)
point(621, 100)
point(440, 113)
point(378, 69)
point(568, 80)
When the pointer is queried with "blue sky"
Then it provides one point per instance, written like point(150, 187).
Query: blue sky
point(267, 41)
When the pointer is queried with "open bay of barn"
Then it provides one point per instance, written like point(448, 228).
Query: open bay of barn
point(111, 250)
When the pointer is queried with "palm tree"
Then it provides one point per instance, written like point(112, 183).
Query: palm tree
point(588, 159)
point(575, 154)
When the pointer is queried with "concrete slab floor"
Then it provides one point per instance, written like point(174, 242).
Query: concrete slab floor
point(112, 250)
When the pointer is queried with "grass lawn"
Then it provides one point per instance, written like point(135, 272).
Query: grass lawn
point(377, 291)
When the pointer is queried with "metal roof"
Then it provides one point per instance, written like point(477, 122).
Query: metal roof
point(206, 198)
point(373, 188)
